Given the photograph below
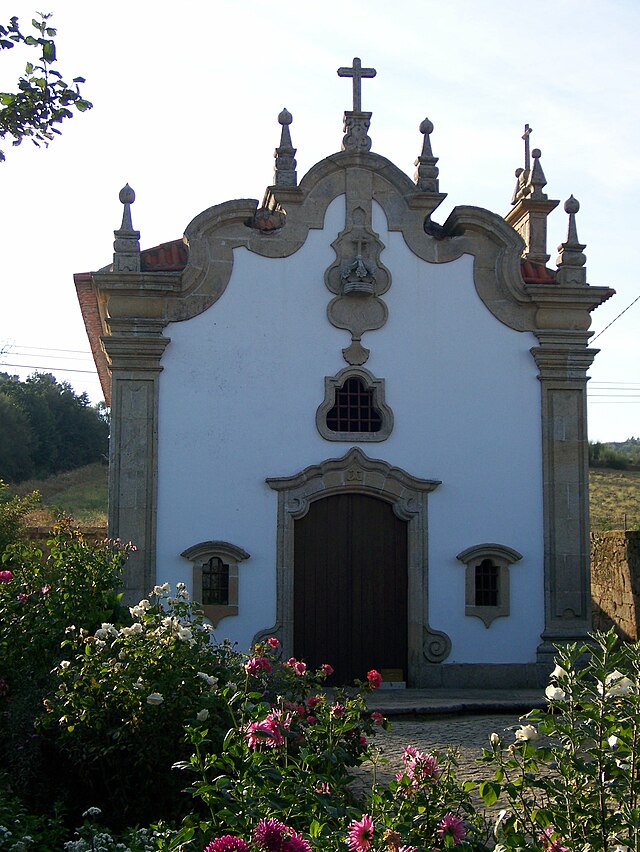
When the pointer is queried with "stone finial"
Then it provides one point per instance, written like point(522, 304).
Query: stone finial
point(356, 122)
point(537, 180)
point(285, 166)
point(126, 247)
point(426, 176)
point(571, 260)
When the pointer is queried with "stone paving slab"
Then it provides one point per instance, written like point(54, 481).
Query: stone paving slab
point(425, 702)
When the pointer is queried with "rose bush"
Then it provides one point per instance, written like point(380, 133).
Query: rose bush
point(570, 779)
point(124, 695)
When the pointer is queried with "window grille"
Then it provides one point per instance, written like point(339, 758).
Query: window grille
point(354, 410)
point(486, 584)
point(215, 582)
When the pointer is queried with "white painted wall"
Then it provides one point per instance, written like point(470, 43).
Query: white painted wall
point(238, 397)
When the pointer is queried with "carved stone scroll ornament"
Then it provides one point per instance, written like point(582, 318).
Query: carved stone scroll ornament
point(358, 279)
point(436, 645)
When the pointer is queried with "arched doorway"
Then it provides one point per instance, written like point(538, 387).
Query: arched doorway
point(406, 495)
point(350, 587)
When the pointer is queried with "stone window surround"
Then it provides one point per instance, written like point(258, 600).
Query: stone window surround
point(231, 555)
point(357, 473)
point(502, 557)
point(334, 383)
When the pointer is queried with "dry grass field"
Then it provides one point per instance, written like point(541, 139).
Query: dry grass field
point(614, 499)
point(80, 493)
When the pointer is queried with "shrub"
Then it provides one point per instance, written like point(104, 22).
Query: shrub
point(569, 781)
point(39, 597)
point(124, 695)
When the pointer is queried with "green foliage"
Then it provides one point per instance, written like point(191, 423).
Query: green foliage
point(124, 695)
point(51, 428)
point(39, 597)
point(616, 455)
point(12, 513)
point(284, 766)
point(43, 98)
point(571, 776)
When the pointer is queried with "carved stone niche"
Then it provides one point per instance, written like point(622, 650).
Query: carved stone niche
point(358, 279)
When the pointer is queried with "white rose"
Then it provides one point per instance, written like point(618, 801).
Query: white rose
point(558, 672)
point(65, 664)
point(210, 680)
point(494, 739)
point(617, 684)
point(155, 698)
point(184, 633)
point(527, 733)
point(202, 715)
point(613, 741)
point(554, 693)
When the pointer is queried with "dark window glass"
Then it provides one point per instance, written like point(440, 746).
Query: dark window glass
point(215, 582)
point(486, 583)
point(354, 410)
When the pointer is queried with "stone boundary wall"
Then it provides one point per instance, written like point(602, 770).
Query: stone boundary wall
point(40, 535)
point(615, 581)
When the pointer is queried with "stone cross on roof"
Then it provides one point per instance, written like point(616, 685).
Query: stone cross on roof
point(527, 133)
point(357, 72)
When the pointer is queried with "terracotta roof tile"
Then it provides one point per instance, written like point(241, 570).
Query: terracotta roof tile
point(167, 257)
point(536, 273)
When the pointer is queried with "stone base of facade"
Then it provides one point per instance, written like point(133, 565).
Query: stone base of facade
point(485, 676)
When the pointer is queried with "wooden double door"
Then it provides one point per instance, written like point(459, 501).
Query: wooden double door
point(350, 586)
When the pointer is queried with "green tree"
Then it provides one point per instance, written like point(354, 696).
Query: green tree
point(43, 98)
point(16, 441)
point(63, 430)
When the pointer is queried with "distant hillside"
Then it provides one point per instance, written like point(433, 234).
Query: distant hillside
point(80, 493)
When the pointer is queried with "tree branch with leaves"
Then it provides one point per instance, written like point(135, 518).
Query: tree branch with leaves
point(43, 98)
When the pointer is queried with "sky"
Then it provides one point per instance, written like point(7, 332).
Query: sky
point(186, 98)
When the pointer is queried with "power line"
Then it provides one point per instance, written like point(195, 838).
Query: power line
point(613, 320)
point(47, 348)
point(47, 369)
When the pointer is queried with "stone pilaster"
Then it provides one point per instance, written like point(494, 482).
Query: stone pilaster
point(563, 361)
point(134, 352)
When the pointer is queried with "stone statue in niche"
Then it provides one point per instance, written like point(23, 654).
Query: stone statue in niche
point(358, 279)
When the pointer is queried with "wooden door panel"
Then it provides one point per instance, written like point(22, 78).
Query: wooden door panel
point(350, 586)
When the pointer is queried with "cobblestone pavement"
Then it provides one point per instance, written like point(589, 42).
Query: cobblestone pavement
point(469, 734)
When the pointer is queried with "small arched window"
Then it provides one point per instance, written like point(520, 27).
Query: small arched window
point(354, 408)
point(487, 580)
point(215, 577)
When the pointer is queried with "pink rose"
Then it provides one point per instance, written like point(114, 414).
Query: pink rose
point(299, 668)
point(377, 717)
point(5, 576)
point(326, 669)
point(272, 642)
point(375, 678)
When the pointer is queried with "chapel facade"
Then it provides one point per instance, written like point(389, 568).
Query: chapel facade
point(353, 428)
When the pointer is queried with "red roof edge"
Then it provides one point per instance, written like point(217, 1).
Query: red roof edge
point(93, 325)
point(167, 257)
point(536, 273)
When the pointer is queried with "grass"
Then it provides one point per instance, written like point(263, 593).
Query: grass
point(82, 493)
point(614, 498)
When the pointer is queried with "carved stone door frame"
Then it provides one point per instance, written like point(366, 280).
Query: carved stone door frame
point(355, 472)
